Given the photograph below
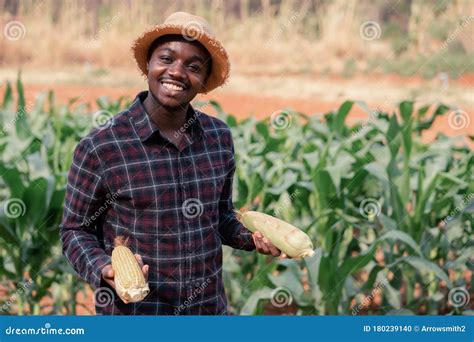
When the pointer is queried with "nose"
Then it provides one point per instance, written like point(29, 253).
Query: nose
point(176, 70)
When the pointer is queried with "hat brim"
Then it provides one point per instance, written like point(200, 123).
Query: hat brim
point(220, 61)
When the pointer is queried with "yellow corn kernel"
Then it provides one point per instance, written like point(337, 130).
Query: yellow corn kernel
point(286, 237)
point(130, 283)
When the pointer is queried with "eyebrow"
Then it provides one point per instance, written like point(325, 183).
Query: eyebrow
point(193, 57)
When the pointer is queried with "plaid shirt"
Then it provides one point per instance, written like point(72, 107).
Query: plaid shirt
point(174, 205)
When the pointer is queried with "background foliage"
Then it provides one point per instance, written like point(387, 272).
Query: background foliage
point(391, 216)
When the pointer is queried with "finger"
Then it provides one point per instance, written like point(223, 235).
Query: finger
point(139, 259)
point(110, 282)
point(283, 255)
point(271, 247)
point(256, 241)
point(275, 251)
point(108, 272)
point(111, 273)
point(259, 245)
point(258, 235)
point(145, 269)
point(265, 249)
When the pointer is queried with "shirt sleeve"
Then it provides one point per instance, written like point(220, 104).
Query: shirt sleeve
point(79, 229)
point(231, 231)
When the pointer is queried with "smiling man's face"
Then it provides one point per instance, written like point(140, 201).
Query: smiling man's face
point(177, 72)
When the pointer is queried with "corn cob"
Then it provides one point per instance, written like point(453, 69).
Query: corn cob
point(286, 237)
point(130, 283)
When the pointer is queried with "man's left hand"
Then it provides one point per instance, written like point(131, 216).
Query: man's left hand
point(264, 245)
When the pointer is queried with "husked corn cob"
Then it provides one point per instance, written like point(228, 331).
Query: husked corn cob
point(129, 280)
point(286, 237)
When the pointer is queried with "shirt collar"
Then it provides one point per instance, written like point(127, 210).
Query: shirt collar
point(146, 127)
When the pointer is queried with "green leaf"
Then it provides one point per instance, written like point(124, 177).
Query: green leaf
point(7, 229)
point(386, 222)
point(343, 168)
point(341, 116)
point(287, 180)
point(7, 97)
point(21, 123)
point(403, 237)
point(393, 296)
point(37, 198)
point(103, 102)
point(406, 110)
point(325, 272)
point(422, 125)
point(262, 129)
point(392, 136)
point(421, 264)
point(312, 265)
point(21, 93)
point(12, 178)
point(353, 264)
point(372, 277)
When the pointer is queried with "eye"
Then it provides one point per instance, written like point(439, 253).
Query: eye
point(165, 59)
point(194, 68)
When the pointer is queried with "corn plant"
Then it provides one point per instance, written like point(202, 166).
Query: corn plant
point(390, 216)
point(372, 189)
point(36, 145)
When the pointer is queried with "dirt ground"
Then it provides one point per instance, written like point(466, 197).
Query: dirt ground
point(261, 95)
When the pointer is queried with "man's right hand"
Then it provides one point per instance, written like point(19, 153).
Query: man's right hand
point(108, 273)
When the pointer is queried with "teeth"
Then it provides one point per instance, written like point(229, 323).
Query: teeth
point(172, 86)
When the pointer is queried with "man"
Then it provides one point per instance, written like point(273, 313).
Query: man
point(160, 174)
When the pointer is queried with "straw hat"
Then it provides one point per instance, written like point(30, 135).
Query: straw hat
point(191, 27)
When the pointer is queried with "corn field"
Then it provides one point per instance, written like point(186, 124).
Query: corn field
point(391, 217)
